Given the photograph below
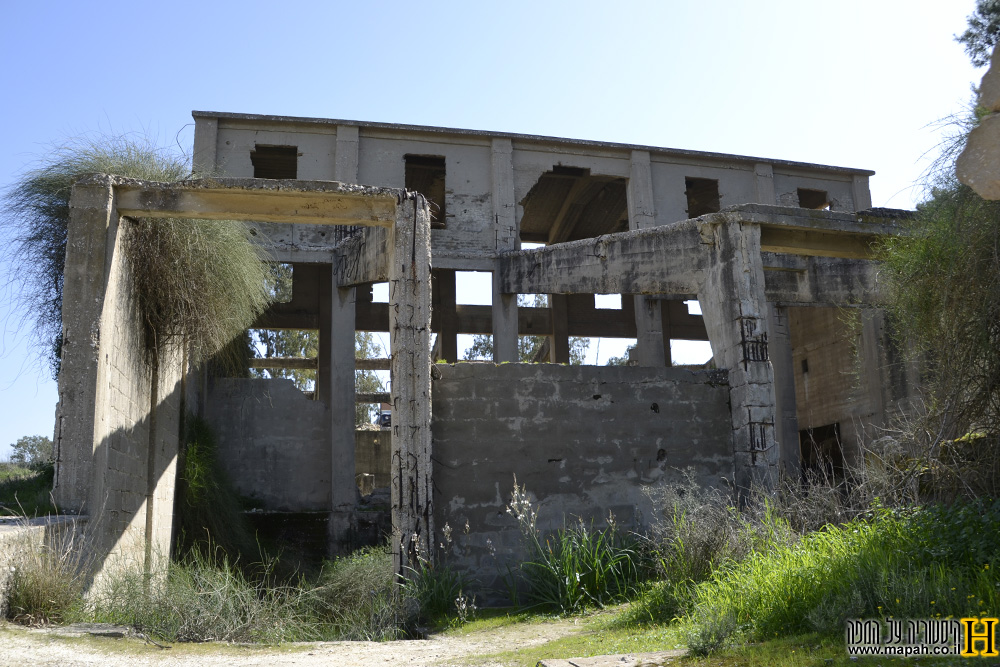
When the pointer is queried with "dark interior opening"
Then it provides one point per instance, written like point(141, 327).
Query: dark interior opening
point(426, 174)
point(702, 196)
point(814, 199)
point(275, 161)
point(821, 452)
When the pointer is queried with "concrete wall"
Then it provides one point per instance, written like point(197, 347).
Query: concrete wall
point(583, 440)
point(273, 442)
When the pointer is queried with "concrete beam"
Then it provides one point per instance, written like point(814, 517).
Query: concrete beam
point(668, 259)
point(821, 281)
point(363, 258)
point(259, 200)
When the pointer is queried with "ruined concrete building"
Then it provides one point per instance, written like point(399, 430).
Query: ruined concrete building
point(777, 253)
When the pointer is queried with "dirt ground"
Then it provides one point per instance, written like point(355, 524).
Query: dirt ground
point(46, 647)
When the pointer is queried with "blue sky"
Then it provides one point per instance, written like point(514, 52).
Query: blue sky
point(853, 83)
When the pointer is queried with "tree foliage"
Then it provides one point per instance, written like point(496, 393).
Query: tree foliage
point(31, 450)
point(983, 31)
point(530, 349)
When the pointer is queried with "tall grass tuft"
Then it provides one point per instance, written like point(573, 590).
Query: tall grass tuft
point(44, 580)
point(578, 566)
point(927, 562)
point(202, 280)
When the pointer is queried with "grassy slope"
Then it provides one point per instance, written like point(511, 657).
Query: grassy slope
point(24, 491)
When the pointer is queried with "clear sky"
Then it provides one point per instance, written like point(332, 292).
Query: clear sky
point(850, 83)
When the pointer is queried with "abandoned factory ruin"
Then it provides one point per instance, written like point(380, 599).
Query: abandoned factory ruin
point(777, 254)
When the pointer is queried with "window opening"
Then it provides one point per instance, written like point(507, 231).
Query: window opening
point(702, 196)
point(279, 162)
point(286, 353)
point(426, 174)
point(279, 282)
point(814, 199)
point(608, 301)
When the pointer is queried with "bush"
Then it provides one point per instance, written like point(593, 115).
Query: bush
point(358, 598)
point(45, 581)
point(577, 566)
point(928, 562)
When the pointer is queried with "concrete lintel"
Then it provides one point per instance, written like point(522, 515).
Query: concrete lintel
point(821, 281)
point(666, 259)
point(363, 258)
point(260, 200)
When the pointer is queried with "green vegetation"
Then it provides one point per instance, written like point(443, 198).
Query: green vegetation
point(530, 349)
point(31, 450)
point(197, 281)
point(25, 491)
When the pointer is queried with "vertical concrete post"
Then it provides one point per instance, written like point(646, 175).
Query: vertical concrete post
point(648, 318)
point(93, 222)
point(558, 311)
point(735, 311)
point(338, 393)
point(447, 316)
point(779, 347)
point(861, 192)
point(505, 222)
point(763, 174)
point(206, 147)
point(345, 166)
point(409, 331)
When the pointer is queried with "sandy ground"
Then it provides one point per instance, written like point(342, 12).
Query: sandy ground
point(33, 647)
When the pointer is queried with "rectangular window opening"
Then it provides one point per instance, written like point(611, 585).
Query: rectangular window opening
point(286, 353)
point(380, 292)
point(815, 199)
point(693, 306)
point(279, 282)
point(426, 174)
point(474, 288)
point(608, 301)
point(702, 196)
point(279, 162)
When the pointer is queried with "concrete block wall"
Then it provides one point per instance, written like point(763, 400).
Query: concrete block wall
point(137, 418)
point(273, 442)
point(583, 440)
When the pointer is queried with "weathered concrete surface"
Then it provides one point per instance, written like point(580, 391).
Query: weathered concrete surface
point(272, 442)
point(979, 164)
point(584, 440)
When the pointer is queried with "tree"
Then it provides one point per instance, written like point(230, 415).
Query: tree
point(31, 450)
point(983, 31)
point(530, 349)
point(622, 360)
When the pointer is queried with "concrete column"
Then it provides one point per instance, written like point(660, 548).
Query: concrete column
point(93, 224)
point(861, 192)
point(641, 215)
point(505, 222)
point(779, 346)
point(446, 314)
point(764, 183)
point(206, 147)
point(735, 311)
point(337, 351)
point(409, 331)
point(346, 158)
point(558, 310)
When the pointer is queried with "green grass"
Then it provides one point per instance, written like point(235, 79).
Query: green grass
point(24, 491)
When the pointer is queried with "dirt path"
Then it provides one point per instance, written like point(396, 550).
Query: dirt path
point(20, 646)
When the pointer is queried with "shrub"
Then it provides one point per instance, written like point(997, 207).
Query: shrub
point(45, 581)
point(577, 566)
point(357, 597)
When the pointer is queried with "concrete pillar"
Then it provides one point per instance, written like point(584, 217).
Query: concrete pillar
point(93, 224)
point(505, 222)
point(409, 331)
point(559, 316)
point(779, 347)
point(206, 147)
point(337, 369)
point(446, 315)
point(764, 183)
point(861, 192)
point(735, 312)
point(345, 168)
point(641, 215)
